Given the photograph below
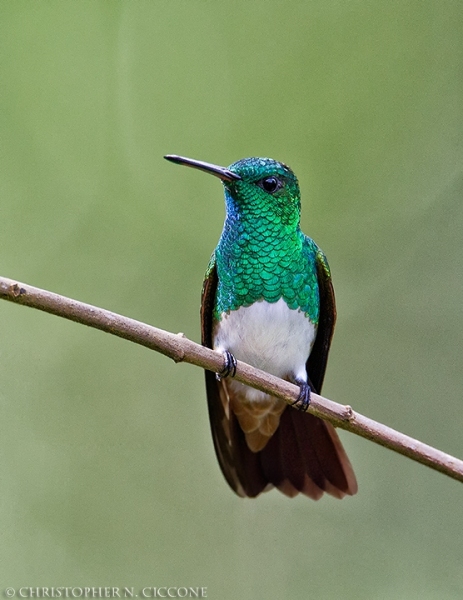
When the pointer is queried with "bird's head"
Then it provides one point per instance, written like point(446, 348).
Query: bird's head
point(260, 186)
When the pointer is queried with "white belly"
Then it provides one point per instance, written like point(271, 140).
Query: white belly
point(271, 337)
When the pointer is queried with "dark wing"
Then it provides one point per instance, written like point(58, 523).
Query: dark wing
point(240, 467)
point(316, 363)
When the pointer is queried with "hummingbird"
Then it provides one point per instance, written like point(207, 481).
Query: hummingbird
point(268, 300)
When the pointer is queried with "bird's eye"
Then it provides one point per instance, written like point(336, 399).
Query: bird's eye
point(270, 184)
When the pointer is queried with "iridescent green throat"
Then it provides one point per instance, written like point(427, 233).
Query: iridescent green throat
point(263, 255)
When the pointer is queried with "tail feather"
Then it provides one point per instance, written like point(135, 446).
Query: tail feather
point(250, 477)
point(282, 462)
point(325, 460)
point(304, 456)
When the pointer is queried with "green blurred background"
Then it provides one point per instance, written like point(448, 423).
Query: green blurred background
point(108, 474)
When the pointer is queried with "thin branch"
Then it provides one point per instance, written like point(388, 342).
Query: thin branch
point(179, 348)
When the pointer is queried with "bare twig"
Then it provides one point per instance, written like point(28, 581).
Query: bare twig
point(179, 348)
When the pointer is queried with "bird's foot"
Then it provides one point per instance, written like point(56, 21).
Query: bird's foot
point(303, 400)
point(229, 368)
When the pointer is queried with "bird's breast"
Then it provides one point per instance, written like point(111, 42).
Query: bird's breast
point(269, 336)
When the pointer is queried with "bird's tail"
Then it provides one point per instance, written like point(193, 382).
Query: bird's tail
point(306, 455)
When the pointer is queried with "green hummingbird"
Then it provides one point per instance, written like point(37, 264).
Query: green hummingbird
point(268, 300)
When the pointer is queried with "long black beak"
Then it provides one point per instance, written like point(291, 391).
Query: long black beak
point(220, 172)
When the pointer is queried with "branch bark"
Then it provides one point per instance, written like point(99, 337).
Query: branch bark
point(179, 348)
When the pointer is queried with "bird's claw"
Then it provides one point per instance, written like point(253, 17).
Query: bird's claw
point(303, 400)
point(229, 369)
